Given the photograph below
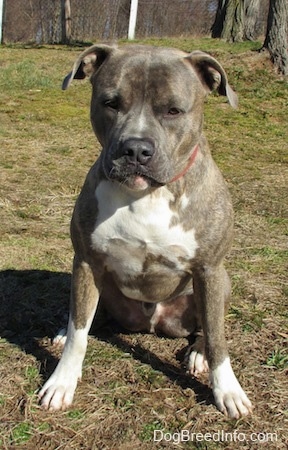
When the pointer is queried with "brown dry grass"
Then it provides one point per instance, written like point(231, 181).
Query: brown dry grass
point(133, 383)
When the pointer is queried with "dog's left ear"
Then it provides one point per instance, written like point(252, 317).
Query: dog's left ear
point(212, 75)
point(87, 63)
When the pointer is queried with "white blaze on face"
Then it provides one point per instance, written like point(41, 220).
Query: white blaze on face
point(142, 123)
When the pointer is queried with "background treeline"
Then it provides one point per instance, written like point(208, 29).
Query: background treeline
point(41, 21)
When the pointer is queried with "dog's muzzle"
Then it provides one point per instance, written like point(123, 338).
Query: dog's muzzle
point(133, 164)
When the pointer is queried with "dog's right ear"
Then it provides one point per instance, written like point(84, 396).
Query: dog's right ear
point(87, 63)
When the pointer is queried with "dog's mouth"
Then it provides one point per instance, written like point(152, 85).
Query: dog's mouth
point(134, 178)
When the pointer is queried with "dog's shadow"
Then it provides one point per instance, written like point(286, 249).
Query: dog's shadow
point(34, 305)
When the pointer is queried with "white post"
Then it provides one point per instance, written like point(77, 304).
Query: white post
point(132, 19)
point(1, 19)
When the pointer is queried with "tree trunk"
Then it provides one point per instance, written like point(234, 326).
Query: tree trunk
point(276, 40)
point(233, 30)
point(229, 21)
point(251, 11)
point(217, 26)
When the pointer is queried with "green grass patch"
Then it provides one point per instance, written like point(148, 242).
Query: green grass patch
point(263, 259)
point(252, 318)
point(31, 373)
point(44, 427)
point(75, 414)
point(22, 433)
point(148, 429)
point(278, 359)
point(271, 254)
point(204, 44)
point(24, 75)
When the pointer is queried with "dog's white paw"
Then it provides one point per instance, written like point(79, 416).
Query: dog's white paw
point(60, 338)
point(197, 363)
point(229, 395)
point(195, 359)
point(58, 392)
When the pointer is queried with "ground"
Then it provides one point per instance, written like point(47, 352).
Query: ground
point(134, 384)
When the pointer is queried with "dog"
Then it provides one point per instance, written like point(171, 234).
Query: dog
point(154, 219)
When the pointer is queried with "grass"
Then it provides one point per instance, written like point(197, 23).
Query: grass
point(133, 384)
point(278, 359)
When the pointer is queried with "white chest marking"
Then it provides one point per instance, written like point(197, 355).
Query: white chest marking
point(129, 228)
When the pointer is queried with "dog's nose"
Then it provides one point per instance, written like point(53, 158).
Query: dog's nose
point(138, 151)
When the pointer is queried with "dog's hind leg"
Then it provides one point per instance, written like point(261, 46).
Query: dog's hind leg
point(195, 360)
point(58, 391)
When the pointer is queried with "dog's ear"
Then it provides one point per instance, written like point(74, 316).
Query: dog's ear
point(87, 63)
point(212, 75)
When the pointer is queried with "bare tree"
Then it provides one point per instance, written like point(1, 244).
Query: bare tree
point(276, 41)
point(233, 30)
point(218, 24)
point(236, 20)
point(251, 16)
point(229, 21)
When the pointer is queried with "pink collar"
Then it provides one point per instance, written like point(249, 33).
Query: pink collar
point(190, 162)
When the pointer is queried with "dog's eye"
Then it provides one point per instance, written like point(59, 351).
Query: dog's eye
point(112, 103)
point(173, 112)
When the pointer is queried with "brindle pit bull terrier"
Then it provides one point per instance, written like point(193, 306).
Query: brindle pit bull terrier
point(154, 219)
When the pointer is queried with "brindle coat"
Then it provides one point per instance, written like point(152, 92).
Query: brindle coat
point(154, 219)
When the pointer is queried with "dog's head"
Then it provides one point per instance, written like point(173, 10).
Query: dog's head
point(147, 108)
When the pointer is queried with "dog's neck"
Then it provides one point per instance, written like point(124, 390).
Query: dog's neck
point(189, 164)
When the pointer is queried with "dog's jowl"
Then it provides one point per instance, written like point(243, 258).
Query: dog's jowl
point(154, 219)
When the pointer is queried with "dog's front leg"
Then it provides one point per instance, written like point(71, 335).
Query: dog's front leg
point(58, 391)
point(209, 289)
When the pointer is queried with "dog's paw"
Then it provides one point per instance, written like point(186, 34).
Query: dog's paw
point(196, 363)
point(195, 360)
point(229, 395)
point(58, 392)
point(60, 338)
